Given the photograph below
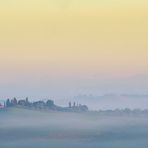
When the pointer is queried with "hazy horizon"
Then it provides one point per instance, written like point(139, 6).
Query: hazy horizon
point(63, 48)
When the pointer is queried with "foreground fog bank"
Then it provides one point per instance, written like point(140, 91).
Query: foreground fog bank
point(35, 129)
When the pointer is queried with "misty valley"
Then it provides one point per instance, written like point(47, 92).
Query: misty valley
point(90, 57)
point(23, 127)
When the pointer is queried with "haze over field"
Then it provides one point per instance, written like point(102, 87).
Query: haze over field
point(36, 129)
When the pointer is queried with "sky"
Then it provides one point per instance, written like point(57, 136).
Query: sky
point(62, 48)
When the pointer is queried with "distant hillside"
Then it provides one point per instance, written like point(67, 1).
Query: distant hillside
point(113, 101)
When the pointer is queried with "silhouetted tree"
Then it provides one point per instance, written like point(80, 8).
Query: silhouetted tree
point(50, 103)
point(8, 103)
point(14, 102)
point(27, 101)
point(69, 104)
point(74, 104)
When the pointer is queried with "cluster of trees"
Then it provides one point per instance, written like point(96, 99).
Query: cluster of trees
point(10, 103)
point(77, 107)
point(27, 103)
point(49, 104)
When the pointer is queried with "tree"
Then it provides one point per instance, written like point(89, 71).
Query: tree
point(69, 104)
point(8, 103)
point(74, 104)
point(14, 101)
point(50, 103)
point(27, 101)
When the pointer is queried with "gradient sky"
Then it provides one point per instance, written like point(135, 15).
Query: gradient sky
point(61, 48)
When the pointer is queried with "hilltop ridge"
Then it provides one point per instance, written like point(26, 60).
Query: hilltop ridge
point(44, 105)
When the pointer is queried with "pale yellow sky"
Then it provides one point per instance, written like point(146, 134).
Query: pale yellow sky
point(75, 38)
